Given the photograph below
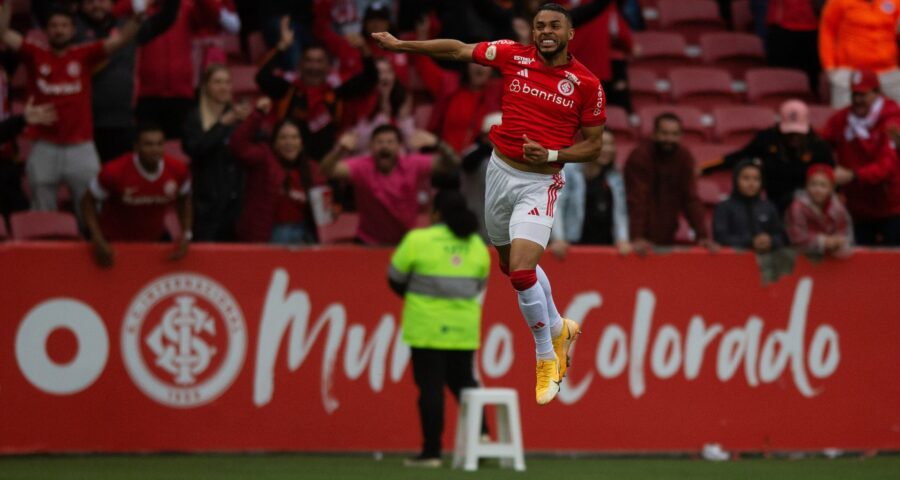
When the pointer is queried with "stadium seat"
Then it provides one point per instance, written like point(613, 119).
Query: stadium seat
point(738, 124)
point(736, 52)
point(619, 124)
point(659, 51)
point(243, 80)
point(342, 230)
point(232, 46)
point(623, 151)
point(256, 46)
point(741, 16)
point(709, 191)
point(819, 115)
point(712, 153)
point(692, 18)
point(173, 148)
point(32, 225)
point(772, 86)
point(702, 87)
point(695, 129)
point(643, 86)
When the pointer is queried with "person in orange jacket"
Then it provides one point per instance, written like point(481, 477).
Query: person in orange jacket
point(860, 35)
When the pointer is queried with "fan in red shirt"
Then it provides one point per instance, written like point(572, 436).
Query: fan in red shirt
point(137, 189)
point(60, 74)
point(548, 96)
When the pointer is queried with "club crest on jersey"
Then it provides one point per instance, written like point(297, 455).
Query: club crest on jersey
point(565, 87)
point(44, 69)
point(491, 52)
point(183, 340)
point(170, 188)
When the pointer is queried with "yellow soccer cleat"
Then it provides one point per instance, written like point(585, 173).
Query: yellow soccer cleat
point(547, 384)
point(561, 344)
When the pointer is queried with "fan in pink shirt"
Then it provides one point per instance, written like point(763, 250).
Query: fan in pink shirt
point(386, 182)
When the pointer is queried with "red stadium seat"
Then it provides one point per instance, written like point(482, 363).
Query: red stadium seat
point(618, 123)
point(709, 191)
point(737, 52)
point(342, 230)
point(695, 130)
point(692, 18)
point(702, 87)
point(712, 153)
point(738, 124)
point(44, 226)
point(772, 86)
point(659, 51)
point(623, 151)
point(741, 16)
point(232, 44)
point(643, 87)
point(819, 115)
point(243, 80)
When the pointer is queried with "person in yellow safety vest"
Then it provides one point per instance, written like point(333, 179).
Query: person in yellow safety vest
point(441, 272)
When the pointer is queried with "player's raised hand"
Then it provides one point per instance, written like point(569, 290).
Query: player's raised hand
point(386, 41)
point(533, 152)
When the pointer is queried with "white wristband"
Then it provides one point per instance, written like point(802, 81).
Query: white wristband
point(552, 155)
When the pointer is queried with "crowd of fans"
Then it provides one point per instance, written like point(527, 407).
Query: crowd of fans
point(114, 89)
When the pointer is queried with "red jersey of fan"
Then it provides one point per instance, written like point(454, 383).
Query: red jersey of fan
point(135, 201)
point(549, 104)
point(65, 81)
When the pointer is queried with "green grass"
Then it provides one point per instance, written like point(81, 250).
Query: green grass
point(303, 467)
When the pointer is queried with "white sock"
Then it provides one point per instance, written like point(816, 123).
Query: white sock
point(533, 305)
point(552, 313)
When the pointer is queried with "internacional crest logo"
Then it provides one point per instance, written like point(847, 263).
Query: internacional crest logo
point(184, 340)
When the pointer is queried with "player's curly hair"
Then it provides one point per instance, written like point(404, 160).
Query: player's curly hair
point(555, 7)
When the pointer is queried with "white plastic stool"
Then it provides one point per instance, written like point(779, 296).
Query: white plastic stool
point(469, 448)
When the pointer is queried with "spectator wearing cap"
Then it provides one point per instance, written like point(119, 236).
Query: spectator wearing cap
point(817, 221)
point(60, 74)
point(386, 181)
point(786, 150)
point(868, 169)
point(308, 97)
point(859, 35)
point(113, 111)
point(746, 220)
point(660, 185)
point(792, 36)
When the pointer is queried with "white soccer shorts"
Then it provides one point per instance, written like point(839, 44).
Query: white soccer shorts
point(519, 204)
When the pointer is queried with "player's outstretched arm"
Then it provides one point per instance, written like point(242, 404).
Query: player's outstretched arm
point(440, 48)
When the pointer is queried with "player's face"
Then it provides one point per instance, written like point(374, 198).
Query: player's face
point(819, 188)
point(385, 148)
point(667, 135)
point(60, 30)
point(860, 103)
point(749, 182)
point(218, 87)
point(150, 147)
point(314, 66)
point(97, 10)
point(551, 32)
point(288, 143)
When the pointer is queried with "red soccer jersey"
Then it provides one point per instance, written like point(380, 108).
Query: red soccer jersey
point(549, 104)
point(134, 201)
point(65, 81)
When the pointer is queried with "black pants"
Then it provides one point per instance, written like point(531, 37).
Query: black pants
point(169, 113)
point(795, 49)
point(884, 232)
point(432, 369)
point(113, 142)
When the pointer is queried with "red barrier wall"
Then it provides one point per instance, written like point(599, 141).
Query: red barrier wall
point(252, 348)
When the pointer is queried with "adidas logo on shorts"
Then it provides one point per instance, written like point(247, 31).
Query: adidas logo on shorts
point(534, 211)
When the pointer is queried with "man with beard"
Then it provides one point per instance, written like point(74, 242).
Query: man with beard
point(548, 96)
point(660, 185)
point(386, 182)
point(61, 75)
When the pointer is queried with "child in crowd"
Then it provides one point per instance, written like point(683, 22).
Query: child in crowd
point(817, 221)
point(745, 220)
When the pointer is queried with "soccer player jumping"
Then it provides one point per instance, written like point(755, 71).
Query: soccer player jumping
point(547, 96)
